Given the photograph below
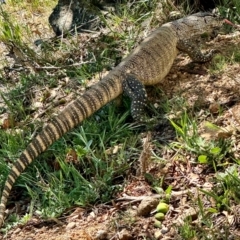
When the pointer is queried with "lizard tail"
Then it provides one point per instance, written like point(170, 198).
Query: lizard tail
point(84, 106)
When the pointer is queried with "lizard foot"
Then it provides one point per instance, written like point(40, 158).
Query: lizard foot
point(135, 90)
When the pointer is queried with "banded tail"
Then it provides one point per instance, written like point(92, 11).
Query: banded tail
point(84, 106)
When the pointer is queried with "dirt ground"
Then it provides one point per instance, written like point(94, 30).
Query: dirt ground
point(119, 219)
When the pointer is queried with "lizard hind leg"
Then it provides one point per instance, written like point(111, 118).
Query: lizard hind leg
point(194, 52)
point(135, 90)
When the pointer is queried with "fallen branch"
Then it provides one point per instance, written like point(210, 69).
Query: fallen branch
point(140, 198)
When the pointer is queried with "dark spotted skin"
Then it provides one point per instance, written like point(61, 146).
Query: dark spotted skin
point(194, 52)
point(135, 90)
point(148, 64)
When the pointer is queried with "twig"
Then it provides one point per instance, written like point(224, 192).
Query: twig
point(65, 66)
point(140, 198)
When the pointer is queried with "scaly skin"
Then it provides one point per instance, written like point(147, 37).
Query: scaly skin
point(148, 64)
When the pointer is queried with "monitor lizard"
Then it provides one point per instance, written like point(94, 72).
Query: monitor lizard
point(148, 64)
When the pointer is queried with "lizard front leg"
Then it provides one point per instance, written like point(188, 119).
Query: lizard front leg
point(194, 52)
point(135, 90)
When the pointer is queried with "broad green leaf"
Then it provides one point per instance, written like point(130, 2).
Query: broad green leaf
point(202, 159)
point(215, 150)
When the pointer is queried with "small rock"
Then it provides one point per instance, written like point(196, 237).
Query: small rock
point(71, 225)
point(164, 230)
point(158, 234)
point(56, 229)
point(124, 235)
point(156, 105)
point(18, 230)
point(214, 108)
point(101, 235)
point(37, 105)
point(146, 206)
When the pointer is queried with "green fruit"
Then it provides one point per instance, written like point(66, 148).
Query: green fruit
point(159, 216)
point(157, 224)
point(162, 207)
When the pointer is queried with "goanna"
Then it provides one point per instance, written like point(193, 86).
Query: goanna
point(148, 64)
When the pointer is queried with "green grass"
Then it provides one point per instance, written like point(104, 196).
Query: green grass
point(221, 197)
point(231, 10)
point(91, 164)
point(93, 177)
point(212, 152)
point(96, 174)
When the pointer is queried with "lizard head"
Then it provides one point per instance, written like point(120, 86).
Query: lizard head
point(197, 24)
point(213, 20)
